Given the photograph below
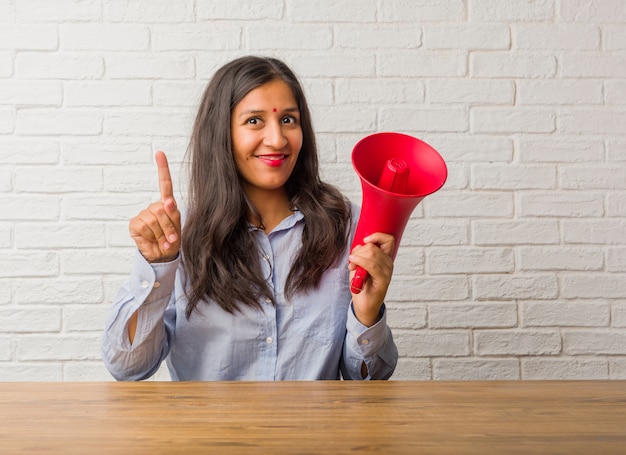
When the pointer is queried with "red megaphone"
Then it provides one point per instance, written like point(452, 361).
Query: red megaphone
point(396, 171)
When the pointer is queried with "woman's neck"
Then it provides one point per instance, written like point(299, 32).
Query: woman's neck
point(273, 207)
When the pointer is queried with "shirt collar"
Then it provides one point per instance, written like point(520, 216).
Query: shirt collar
point(285, 224)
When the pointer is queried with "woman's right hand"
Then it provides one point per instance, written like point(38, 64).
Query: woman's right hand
point(157, 230)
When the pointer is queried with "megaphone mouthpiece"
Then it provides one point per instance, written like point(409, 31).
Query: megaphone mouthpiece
point(395, 176)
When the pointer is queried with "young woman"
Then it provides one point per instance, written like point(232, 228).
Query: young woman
point(252, 282)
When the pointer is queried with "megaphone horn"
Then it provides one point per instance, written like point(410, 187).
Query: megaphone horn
point(396, 171)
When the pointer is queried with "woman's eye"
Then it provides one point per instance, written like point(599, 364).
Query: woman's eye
point(289, 119)
point(253, 121)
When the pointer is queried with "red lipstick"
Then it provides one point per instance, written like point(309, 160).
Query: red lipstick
point(273, 160)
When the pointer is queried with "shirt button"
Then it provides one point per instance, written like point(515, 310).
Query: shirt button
point(144, 284)
point(268, 300)
point(269, 340)
point(366, 341)
point(157, 284)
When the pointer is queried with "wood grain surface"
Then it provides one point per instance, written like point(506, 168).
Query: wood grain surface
point(334, 417)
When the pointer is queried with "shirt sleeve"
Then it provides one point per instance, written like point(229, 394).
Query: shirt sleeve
point(373, 345)
point(149, 290)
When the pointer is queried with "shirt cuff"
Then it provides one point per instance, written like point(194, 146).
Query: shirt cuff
point(150, 282)
point(366, 340)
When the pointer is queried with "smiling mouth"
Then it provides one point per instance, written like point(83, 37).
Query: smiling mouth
point(273, 160)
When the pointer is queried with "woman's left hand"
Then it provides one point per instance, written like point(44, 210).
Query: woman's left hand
point(375, 257)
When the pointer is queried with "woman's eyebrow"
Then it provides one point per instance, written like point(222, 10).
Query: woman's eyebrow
point(262, 111)
point(251, 112)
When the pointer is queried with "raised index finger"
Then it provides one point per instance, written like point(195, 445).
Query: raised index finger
point(165, 179)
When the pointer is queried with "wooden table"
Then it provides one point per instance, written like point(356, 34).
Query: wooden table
point(335, 417)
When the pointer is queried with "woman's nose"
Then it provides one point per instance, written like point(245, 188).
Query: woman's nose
point(275, 136)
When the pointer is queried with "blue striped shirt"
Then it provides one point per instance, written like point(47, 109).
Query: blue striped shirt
point(314, 335)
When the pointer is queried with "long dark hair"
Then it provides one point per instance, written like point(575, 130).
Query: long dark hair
point(219, 254)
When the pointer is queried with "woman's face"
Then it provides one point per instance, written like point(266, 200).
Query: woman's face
point(266, 136)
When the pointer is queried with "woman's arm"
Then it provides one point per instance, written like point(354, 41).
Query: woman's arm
point(368, 352)
point(138, 330)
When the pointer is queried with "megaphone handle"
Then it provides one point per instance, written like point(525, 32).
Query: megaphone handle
point(356, 285)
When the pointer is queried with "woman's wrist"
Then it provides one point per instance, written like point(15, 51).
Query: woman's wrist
point(368, 319)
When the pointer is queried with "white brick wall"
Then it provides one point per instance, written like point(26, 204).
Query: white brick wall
point(516, 269)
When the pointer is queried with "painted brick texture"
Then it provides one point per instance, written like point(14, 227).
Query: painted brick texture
point(515, 270)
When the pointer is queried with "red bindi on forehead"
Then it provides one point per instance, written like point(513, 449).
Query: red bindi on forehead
point(274, 110)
